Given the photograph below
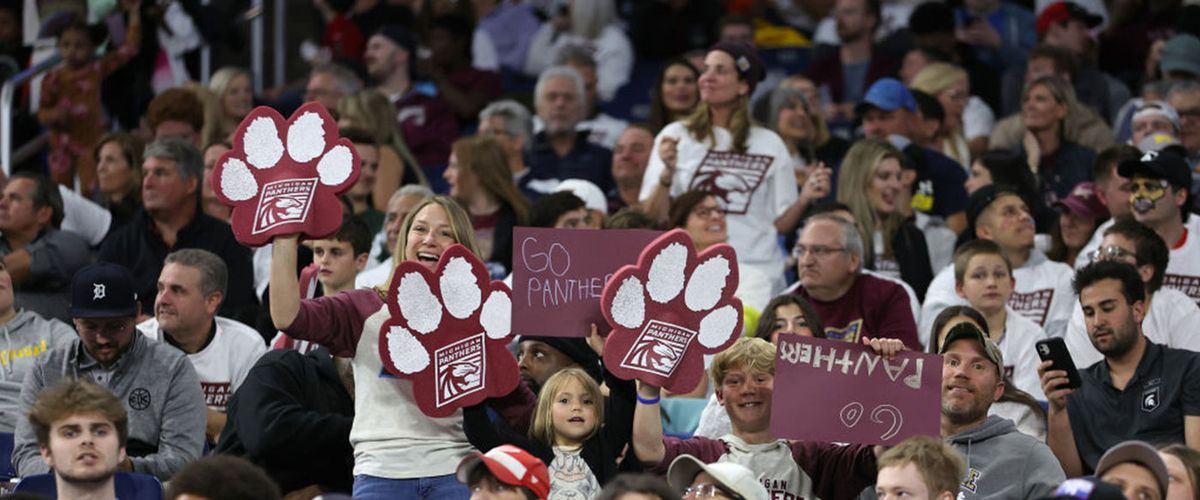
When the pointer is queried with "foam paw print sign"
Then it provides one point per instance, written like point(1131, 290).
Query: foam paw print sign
point(448, 333)
point(283, 177)
point(671, 309)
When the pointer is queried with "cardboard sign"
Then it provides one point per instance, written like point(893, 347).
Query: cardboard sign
point(447, 333)
point(559, 275)
point(670, 310)
point(284, 177)
point(836, 391)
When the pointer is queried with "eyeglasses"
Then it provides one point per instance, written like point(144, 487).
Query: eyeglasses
point(1111, 252)
point(706, 212)
point(817, 251)
point(709, 490)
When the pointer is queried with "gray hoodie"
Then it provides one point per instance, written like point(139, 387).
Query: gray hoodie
point(1003, 463)
point(23, 339)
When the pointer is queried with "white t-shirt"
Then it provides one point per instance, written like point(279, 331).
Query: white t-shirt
point(1028, 422)
point(1020, 358)
point(1183, 270)
point(375, 276)
point(978, 119)
point(221, 365)
point(754, 188)
point(773, 466)
point(84, 217)
point(938, 238)
point(570, 476)
point(1042, 293)
point(1173, 320)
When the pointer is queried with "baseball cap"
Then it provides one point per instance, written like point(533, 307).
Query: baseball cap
point(511, 465)
point(733, 477)
point(968, 331)
point(398, 35)
point(593, 198)
point(1181, 53)
point(103, 290)
point(1137, 452)
point(1159, 165)
point(888, 94)
point(575, 348)
point(1086, 488)
point(1062, 12)
point(1157, 108)
point(1083, 202)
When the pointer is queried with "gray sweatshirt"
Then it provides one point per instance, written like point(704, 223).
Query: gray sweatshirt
point(1003, 463)
point(159, 389)
point(23, 340)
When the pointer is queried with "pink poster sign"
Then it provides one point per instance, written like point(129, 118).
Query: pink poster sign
point(836, 391)
point(559, 276)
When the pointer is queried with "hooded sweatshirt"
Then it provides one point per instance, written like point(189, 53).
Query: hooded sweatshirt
point(1003, 463)
point(23, 339)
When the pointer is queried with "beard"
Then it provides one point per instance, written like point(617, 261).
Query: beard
point(89, 478)
point(1123, 340)
point(962, 413)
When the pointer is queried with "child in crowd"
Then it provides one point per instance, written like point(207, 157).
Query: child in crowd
point(342, 256)
point(570, 431)
point(920, 467)
point(70, 102)
point(505, 472)
point(360, 193)
point(983, 276)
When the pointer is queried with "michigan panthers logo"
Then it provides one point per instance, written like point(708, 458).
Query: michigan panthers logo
point(460, 368)
point(659, 348)
point(731, 177)
point(284, 201)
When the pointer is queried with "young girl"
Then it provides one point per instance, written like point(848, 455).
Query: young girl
point(567, 431)
point(70, 104)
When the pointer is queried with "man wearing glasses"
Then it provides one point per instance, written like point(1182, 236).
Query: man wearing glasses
point(1159, 198)
point(156, 382)
point(852, 305)
point(1172, 319)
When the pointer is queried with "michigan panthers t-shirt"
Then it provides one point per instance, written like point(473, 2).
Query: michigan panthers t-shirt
point(754, 188)
point(1183, 270)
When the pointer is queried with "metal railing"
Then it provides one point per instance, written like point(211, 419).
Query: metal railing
point(7, 94)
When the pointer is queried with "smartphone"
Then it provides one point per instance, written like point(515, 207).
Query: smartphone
point(1055, 350)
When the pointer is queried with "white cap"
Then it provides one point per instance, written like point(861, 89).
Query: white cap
point(734, 477)
point(593, 198)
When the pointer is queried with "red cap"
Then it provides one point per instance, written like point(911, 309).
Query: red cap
point(1083, 202)
point(1061, 12)
point(510, 465)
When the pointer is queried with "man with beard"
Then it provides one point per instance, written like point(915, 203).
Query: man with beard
point(81, 430)
point(847, 70)
point(560, 151)
point(154, 381)
point(1140, 390)
point(1002, 462)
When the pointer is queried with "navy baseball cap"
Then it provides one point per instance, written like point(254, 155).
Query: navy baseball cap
point(103, 290)
point(887, 94)
point(1159, 165)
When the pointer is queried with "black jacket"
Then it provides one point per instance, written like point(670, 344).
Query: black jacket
point(912, 255)
point(292, 417)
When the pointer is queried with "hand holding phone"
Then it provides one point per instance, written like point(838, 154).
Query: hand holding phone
point(1055, 351)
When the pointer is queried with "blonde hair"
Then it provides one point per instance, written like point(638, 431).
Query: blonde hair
point(854, 179)
point(542, 427)
point(936, 77)
point(214, 107)
point(460, 225)
point(700, 125)
point(589, 18)
point(372, 112)
point(940, 465)
point(748, 352)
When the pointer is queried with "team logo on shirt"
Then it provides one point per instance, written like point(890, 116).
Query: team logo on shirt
point(139, 399)
point(283, 201)
point(971, 482)
point(849, 333)
point(731, 177)
point(1151, 398)
point(1189, 285)
point(1033, 305)
point(460, 369)
point(659, 348)
point(216, 394)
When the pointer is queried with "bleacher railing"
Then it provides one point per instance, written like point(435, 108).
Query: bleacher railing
point(7, 95)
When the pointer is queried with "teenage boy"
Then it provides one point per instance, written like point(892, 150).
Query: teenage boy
point(983, 277)
point(744, 379)
point(342, 256)
point(920, 468)
point(81, 430)
point(505, 472)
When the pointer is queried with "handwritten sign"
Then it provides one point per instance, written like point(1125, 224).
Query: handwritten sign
point(559, 275)
point(841, 392)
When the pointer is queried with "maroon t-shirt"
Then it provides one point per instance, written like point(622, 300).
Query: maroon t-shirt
point(872, 307)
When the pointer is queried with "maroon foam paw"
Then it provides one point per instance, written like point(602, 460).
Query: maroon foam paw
point(283, 177)
point(670, 310)
point(448, 333)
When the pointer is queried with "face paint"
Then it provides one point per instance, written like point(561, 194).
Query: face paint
point(1144, 193)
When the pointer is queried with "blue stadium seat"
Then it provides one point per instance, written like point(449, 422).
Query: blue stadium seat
point(130, 486)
